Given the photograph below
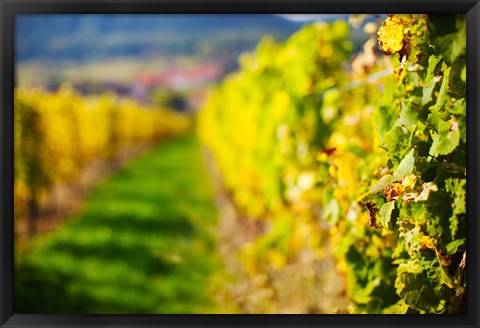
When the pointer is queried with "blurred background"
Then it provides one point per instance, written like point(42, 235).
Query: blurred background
point(157, 59)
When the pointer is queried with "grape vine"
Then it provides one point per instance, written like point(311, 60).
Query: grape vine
point(58, 134)
point(333, 160)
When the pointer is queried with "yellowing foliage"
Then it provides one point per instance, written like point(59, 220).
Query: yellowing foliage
point(375, 170)
point(390, 35)
point(58, 134)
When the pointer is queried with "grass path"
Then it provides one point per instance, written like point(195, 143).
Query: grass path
point(143, 243)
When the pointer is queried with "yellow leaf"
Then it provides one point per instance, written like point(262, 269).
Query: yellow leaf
point(390, 35)
point(409, 181)
point(428, 242)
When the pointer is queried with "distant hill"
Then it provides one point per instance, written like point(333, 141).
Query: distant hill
point(51, 49)
point(81, 38)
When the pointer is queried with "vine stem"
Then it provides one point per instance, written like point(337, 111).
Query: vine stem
point(416, 19)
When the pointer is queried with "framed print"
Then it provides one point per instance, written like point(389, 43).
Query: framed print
point(268, 163)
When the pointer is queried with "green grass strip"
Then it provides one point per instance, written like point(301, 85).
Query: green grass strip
point(143, 243)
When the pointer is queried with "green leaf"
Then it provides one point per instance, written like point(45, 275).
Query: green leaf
point(446, 137)
point(401, 308)
point(398, 308)
point(406, 166)
point(409, 113)
point(388, 215)
point(417, 289)
point(444, 278)
point(440, 207)
point(448, 35)
point(459, 107)
point(432, 63)
point(415, 266)
point(386, 118)
point(449, 142)
point(363, 295)
point(457, 190)
point(357, 262)
point(452, 247)
point(457, 87)
point(430, 80)
point(398, 141)
point(434, 121)
point(438, 108)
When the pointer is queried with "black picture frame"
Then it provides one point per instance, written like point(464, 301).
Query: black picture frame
point(10, 8)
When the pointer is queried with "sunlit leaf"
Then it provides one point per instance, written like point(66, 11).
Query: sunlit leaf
point(390, 35)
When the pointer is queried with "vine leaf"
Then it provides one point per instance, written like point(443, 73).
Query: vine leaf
point(448, 35)
point(417, 289)
point(388, 215)
point(390, 35)
point(384, 181)
point(446, 137)
point(453, 246)
point(406, 166)
point(439, 108)
point(398, 142)
point(430, 79)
